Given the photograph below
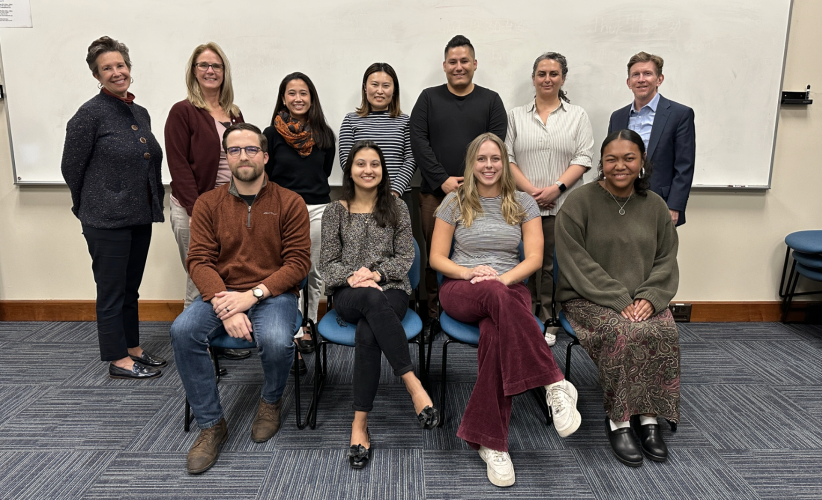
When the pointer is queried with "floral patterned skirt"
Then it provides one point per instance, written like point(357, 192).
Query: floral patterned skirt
point(638, 363)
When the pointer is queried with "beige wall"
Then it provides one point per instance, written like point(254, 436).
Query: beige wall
point(730, 250)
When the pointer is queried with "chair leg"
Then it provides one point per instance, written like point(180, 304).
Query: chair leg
point(789, 298)
point(443, 380)
point(420, 341)
point(187, 421)
point(568, 359)
point(539, 395)
point(782, 284)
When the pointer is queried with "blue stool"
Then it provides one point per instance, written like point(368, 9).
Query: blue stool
point(805, 247)
point(333, 330)
point(561, 321)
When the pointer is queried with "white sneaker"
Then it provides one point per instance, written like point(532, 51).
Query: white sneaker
point(500, 470)
point(551, 335)
point(561, 397)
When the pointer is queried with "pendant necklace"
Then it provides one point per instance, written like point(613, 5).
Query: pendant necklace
point(621, 207)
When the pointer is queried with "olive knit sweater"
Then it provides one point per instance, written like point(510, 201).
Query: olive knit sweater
point(611, 259)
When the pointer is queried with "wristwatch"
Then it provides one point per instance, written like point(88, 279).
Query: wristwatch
point(258, 293)
point(561, 186)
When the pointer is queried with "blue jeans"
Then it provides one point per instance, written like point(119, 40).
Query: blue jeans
point(272, 324)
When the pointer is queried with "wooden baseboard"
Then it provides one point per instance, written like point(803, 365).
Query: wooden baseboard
point(84, 310)
point(167, 310)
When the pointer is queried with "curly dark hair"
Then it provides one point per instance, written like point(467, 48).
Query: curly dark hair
point(641, 184)
point(385, 210)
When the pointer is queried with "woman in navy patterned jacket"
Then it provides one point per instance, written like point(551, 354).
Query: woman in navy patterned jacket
point(111, 163)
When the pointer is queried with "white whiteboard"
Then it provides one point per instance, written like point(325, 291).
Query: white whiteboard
point(724, 59)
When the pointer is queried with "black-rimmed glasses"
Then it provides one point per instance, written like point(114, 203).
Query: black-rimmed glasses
point(250, 151)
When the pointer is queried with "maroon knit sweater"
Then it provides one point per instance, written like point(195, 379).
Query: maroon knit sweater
point(192, 152)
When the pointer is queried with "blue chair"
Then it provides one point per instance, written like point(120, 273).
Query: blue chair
point(469, 334)
point(805, 249)
point(331, 331)
point(226, 341)
point(562, 321)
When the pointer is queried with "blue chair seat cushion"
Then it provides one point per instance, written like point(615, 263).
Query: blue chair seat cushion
point(344, 335)
point(814, 274)
point(808, 259)
point(468, 333)
point(566, 325)
point(805, 241)
point(226, 341)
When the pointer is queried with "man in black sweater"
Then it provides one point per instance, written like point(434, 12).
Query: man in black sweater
point(444, 121)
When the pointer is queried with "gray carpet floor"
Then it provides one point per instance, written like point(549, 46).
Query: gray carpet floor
point(751, 405)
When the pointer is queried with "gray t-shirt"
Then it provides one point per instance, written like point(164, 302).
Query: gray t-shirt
point(490, 240)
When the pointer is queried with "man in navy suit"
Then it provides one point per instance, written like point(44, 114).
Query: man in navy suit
point(667, 128)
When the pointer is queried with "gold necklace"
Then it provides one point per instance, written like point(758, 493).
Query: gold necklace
point(621, 207)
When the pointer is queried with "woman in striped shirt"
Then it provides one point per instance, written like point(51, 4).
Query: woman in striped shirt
point(380, 119)
point(550, 144)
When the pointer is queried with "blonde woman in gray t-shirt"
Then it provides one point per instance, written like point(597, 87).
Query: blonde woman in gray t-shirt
point(486, 219)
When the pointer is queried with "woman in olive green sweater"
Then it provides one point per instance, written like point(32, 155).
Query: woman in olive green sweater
point(616, 249)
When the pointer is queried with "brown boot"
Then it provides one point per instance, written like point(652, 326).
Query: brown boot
point(267, 421)
point(203, 454)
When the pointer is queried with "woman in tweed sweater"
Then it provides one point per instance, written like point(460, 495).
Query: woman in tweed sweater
point(366, 253)
point(111, 163)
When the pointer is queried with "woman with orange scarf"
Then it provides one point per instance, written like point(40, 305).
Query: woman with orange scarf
point(301, 154)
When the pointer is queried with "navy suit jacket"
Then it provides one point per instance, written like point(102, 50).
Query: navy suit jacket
point(671, 150)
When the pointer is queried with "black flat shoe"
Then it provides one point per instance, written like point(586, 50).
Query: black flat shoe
point(358, 455)
point(305, 346)
point(429, 417)
point(232, 354)
point(299, 365)
point(137, 371)
point(650, 440)
point(149, 360)
point(624, 445)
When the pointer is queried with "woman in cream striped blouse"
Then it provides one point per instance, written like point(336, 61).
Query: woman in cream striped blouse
point(550, 145)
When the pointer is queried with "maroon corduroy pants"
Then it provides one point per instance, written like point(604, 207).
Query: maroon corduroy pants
point(512, 356)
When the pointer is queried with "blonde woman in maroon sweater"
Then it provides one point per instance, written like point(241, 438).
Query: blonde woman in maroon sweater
point(193, 133)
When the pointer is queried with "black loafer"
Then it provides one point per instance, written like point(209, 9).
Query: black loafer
point(149, 360)
point(305, 346)
point(232, 354)
point(429, 417)
point(624, 445)
point(358, 455)
point(299, 365)
point(650, 440)
point(137, 371)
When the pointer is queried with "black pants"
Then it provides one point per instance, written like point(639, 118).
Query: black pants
point(378, 317)
point(118, 258)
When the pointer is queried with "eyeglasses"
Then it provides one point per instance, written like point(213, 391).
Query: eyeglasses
point(217, 67)
point(250, 151)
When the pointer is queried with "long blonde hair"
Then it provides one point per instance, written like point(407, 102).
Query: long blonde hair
point(195, 94)
point(468, 199)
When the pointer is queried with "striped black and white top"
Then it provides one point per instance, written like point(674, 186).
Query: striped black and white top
point(490, 241)
point(392, 135)
point(543, 151)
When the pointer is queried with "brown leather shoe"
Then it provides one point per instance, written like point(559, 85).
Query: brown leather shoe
point(203, 454)
point(267, 421)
